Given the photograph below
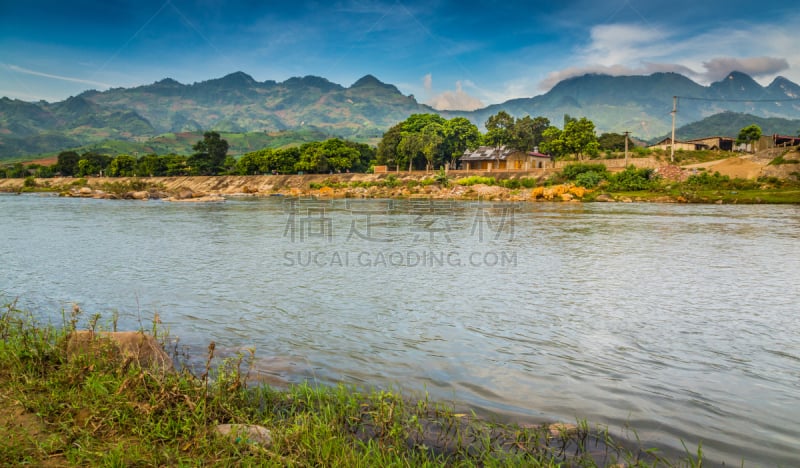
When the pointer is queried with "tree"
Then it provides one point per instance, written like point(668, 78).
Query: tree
point(252, 163)
point(611, 142)
point(553, 142)
point(124, 165)
point(527, 132)
point(330, 155)
point(410, 148)
point(152, 165)
point(432, 139)
point(500, 129)
point(577, 138)
point(580, 139)
point(748, 135)
point(210, 153)
point(387, 147)
point(68, 163)
point(459, 135)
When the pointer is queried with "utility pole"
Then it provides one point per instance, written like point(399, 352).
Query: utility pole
point(626, 148)
point(672, 145)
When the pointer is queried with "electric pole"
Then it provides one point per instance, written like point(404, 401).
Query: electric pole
point(672, 145)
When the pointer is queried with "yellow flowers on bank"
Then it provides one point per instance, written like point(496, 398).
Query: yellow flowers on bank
point(563, 192)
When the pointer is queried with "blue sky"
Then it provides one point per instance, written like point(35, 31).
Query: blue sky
point(450, 54)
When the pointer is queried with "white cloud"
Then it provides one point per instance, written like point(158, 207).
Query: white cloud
point(760, 50)
point(451, 100)
point(26, 71)
point(718, 68)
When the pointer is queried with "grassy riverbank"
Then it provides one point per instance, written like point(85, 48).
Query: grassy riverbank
point(89, 411)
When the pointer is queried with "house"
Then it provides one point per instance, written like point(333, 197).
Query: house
point(539, 160)
point(492, 158)
point(707, 143)
point(666, 143)
point(714, 143)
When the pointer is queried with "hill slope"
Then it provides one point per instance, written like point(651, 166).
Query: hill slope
point(237, 103)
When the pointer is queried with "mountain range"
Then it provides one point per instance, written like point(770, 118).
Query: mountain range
point(138, 118)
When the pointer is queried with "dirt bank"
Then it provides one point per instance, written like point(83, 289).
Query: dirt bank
point(404, 184)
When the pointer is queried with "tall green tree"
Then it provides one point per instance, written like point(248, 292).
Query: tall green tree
point(578, 138)
point(210, 153)
point(749, 135)
point(527, 132)
point(152, 165)
point(500, 129)
point(124, 165)
point(611, 141)
point(410, 148)
point(67, 163)
point(459, 135)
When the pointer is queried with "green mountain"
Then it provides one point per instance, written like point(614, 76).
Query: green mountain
point(643, 104)
point(136, 119)
point(729, 124)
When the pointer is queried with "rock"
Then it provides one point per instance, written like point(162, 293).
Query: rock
point(85, 191)
point(142, 348)
point(245, 433)
point(566, 197)
point(140, 195)
point(184, 195)
point(603, 197)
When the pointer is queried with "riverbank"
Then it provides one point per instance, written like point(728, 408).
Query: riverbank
point(540, 185)
point(61, 407)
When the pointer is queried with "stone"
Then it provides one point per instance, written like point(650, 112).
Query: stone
point(142, 348)
point(85, 191)
point(184, 194)
point(566, 197)
point(245, 433)
point(603, 197)
point(140, 195)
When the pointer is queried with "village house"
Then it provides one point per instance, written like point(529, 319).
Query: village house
point(707, 143)
point(503, 158)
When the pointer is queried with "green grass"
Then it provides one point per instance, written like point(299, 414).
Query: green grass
point(94, 410)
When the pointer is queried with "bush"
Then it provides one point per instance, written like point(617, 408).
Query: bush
point(717, 181)
point(571, 171)
point(474, 180)
point(632, 179)
point(589, 179)
point(30, 182)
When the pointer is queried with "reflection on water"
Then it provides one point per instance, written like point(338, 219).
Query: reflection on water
point(679, 321)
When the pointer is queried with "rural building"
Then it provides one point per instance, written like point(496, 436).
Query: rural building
point(712, 143)
point(491, 158)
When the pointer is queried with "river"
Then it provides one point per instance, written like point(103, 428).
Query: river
point(673, 322)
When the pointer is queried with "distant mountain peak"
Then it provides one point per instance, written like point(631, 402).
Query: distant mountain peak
point(167, 82)
point(368, 80)
point(311, 80)
point(238, 77)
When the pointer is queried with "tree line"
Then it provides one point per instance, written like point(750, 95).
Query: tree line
point(210, 157)
point(422, 141)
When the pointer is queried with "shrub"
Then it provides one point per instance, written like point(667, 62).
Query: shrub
point(571, 171)
point(632, 179)
point(474, 180)
point(589, 179)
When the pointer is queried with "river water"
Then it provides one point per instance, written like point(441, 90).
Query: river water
point(678, 322)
